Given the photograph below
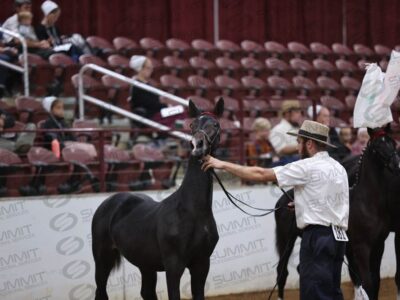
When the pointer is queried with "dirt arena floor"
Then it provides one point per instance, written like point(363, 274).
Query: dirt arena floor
point(387, 292)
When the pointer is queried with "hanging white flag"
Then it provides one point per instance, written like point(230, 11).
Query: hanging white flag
point(377, 93)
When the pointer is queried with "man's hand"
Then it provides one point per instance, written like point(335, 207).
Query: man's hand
point(211, 162)
point(44, 44)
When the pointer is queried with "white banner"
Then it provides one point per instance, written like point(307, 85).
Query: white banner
point(45, 250)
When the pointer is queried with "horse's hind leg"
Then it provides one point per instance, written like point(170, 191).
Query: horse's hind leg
point(376, 259)
point(198, 272)
point(284, 255)
point(149, 282)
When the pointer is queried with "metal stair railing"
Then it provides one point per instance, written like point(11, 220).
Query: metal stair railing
point(24, 70)
point(115, 109)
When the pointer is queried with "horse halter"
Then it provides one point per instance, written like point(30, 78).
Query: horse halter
point(209, 140)
point(385, 160)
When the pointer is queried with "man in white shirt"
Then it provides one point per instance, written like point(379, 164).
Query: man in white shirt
point(285, 145)
point(321, 197)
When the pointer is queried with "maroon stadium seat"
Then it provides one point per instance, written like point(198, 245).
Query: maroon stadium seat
point(298, 49)
point(342, 50)
point(30, 110)
point(363, 51)
point(321, 50)
point(351, 84)
point(41, 74)
point(306, 86)
point(66, 68)
point(180, 48)
point(302, 67)
point(118, 91)
point(154, 48)
point(382, 50)
point(178, 67)
point(176, 85)
point(230, 86)
point(126, 46)
point(254, 49)
point(201, 103)
point(275, 49)
point(329, 86)
point(254, 84)
point(230, 49)
point(204, 86)
point(254, 67)
point(350, 101)
point(204, 67)
point(103, 47)
point(120, 64)
point(280, 85)
point(277, 66)
point(255, 107)
point(206, 49)
point(332, 103)
point(230, 67)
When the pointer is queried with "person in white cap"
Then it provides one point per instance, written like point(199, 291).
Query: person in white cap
point(55, 108)
point(47, 30)
point(321, 201)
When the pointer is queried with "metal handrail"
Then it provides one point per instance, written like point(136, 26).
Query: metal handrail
point(123, 112)
point(24, 70)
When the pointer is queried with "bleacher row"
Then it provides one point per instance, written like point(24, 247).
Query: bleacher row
point(261, 75)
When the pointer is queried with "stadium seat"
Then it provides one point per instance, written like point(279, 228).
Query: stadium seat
point(254, 49)
point(154, 48)
point(205, 67)
point(101, 46)
point(93, 88)
point(49, 173)
point(363, 51)
point(275, 49)
point(230, 49)
point(122, 170)
point(204, 86)
point(328, 84)
point(176, 85)
point(302, 67)
point(342, 51)
point(180, 48)
point(13, 173)
point(178, 67)
point(350, 101)
point(299, 50)
point(206, 49)
point(383, 64)
point(92, 59)
point(157, 170)
point(30, 110)
point(127, 47)
point(201, 103)
point(255, 107)
point(120, 64)
point(254, 67)
point(230, 86)
point(383, 51)
point(321, 50)
point(118, 91)
point(305, 85)
point(230, 67)
point(326, 68)
point(65, 68)
point(278, 67)
point(280, 86)
point(332, 103)
point(255, 85)
point(41, 75)
point(350, 84)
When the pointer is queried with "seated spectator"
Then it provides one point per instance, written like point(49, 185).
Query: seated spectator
point(26, 29)
point(346, 137)
point(323, 116)
point(146, 103)
point(47, 30)
point(12, 23)
point(55, 108)
point(35, 45)
point(286, 145)
point(7, 54)
point(17, 142)
point(361, 141)
point(259, 151)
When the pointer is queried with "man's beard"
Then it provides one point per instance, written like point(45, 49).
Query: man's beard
point(294, 124)
point(304, 152)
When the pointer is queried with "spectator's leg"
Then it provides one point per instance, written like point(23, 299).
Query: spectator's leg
point(25, 140)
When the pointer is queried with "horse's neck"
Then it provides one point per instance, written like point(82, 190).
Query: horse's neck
point(197, 187)
point(371, 174)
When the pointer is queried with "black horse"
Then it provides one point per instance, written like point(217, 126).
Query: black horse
point(177, 233)
point(378, 164)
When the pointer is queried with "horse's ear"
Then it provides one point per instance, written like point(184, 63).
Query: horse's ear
point(193, 110)
point(219, 107)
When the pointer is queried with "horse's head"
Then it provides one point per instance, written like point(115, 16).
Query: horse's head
point(205, 129)
point(383, 147)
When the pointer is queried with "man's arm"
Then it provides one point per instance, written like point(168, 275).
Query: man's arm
point(246, 173)
point(288, 150)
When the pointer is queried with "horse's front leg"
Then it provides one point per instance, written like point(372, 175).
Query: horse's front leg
point(376, 259)
point(174, 269)
point(198, 272)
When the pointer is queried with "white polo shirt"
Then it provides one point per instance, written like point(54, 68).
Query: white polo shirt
point(278, 137)
point(321, 190)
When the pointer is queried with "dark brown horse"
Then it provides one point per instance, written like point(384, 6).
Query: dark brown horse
point(369, 222)
point(177, 233)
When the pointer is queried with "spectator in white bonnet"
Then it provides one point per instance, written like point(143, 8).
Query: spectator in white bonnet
point(12, 22)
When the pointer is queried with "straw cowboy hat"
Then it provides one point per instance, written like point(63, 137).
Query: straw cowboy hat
point(313, 131)
point(289, 105)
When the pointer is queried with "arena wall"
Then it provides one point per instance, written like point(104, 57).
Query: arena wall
point(45, 249)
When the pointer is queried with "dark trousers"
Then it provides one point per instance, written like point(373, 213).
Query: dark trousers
point(321, 258)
